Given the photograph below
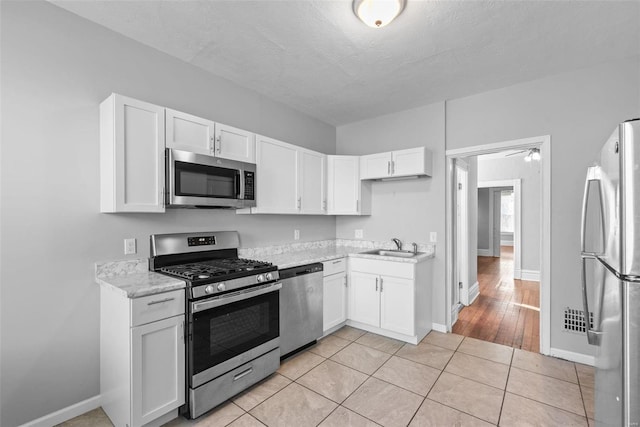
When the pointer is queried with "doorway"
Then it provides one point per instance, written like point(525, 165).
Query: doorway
point(500, 269)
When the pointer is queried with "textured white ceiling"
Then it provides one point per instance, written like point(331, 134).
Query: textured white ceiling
point(317, 57)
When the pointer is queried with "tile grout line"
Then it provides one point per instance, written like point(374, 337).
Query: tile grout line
point(506, 385)
point(584, 405)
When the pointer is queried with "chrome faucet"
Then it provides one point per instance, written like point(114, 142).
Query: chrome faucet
point(398, 243)
point(415, 247)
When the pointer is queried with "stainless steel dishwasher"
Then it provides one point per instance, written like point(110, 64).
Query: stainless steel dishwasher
point(300, 307)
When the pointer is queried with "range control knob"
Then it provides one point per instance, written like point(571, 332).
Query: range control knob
point(209, 289)
point(269, 276)
point(260, 278)
point(222, 287)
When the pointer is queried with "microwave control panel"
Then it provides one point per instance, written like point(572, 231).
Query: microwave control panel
point(249, 185)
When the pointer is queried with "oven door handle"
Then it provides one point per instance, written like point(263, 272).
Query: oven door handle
point(197, 307)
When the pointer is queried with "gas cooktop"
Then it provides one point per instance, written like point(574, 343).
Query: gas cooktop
point(218, 268)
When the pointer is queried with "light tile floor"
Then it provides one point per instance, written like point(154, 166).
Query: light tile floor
point(355, 378)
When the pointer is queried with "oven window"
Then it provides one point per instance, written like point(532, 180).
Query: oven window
point(227, 331)
point(205, 181)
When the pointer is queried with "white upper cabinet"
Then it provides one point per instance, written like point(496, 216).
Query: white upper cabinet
point(312, 176)
point(346, 194)
point(289, 179)
point(276, 177)
point(131, 155)
point(396, 164)
point(235, 144)
point(189, 133)
point(374, 166)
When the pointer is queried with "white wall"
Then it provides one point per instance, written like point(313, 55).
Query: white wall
point(406, 209)
point(484, 219)
point(56, 69)
point(579, 110)
point(507, 168)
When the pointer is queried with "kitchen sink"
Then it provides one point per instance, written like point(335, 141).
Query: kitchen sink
point(391, 252)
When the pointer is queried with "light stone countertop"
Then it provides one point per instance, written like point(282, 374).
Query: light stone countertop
point(132, 278)
point(304, 256)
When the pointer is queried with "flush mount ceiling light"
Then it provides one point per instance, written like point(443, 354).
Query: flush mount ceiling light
point(377, 13)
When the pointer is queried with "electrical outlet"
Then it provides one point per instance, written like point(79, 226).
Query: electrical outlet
point(433, 237)
point(129, 246)
point(296, 234)
point(359, 234)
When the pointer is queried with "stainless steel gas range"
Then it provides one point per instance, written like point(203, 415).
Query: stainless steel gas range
point(232, 314)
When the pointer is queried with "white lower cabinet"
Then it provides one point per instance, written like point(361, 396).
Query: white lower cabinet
point(390, 298)
point(142, 357)
point(334, 294)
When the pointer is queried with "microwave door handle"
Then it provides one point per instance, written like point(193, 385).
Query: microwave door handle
point(240, 184)
point(591, 179)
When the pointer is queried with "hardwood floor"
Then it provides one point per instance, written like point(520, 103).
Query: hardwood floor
point(507, 311)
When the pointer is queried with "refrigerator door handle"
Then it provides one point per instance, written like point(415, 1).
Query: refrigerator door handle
point(593, 335)
point(592, 178)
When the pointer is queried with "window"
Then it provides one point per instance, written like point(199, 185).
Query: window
point(506, 211)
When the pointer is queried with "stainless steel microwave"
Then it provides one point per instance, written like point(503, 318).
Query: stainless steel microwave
point(201, 181)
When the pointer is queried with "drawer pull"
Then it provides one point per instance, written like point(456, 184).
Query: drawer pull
point(160, 301)
point(337, 262)
point(242, 374)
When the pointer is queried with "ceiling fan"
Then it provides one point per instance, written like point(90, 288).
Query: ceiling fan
point(533, 154)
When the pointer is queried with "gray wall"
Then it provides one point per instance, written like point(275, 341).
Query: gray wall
point(407, 209)
point(579, 110)
point(528, 173)
point(484, 219)
point(56, 69)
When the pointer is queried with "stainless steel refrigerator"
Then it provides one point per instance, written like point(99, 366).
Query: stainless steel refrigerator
point(611, 275)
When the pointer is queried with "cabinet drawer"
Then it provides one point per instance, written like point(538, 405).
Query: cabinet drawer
point(383, 268)
point(156, 307)
point(334, 266)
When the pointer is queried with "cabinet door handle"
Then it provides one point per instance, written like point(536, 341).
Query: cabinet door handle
point(357, 205)
point(219, 139)
point(212, 144)
point(182, 332)
point(345, 282)
point(337, 261)
point(299, 203)
point(160, 301)
point(393, 167)
point(377, 284)
point(324, 205)
point(381, 284)
point(388, 167)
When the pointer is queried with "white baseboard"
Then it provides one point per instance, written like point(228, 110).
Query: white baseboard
point(485, 252)
point(474, 292)
point(454, 314)
point(531, 275)
point(439, 327)
point(506, 242)
point(65, 414)
point(573, 357)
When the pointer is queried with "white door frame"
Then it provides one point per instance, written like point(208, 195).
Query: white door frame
point(544, 143)
point(517, 222)
point(462, 235)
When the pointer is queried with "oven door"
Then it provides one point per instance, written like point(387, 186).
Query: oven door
point(195, 180)
point(232, 329)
